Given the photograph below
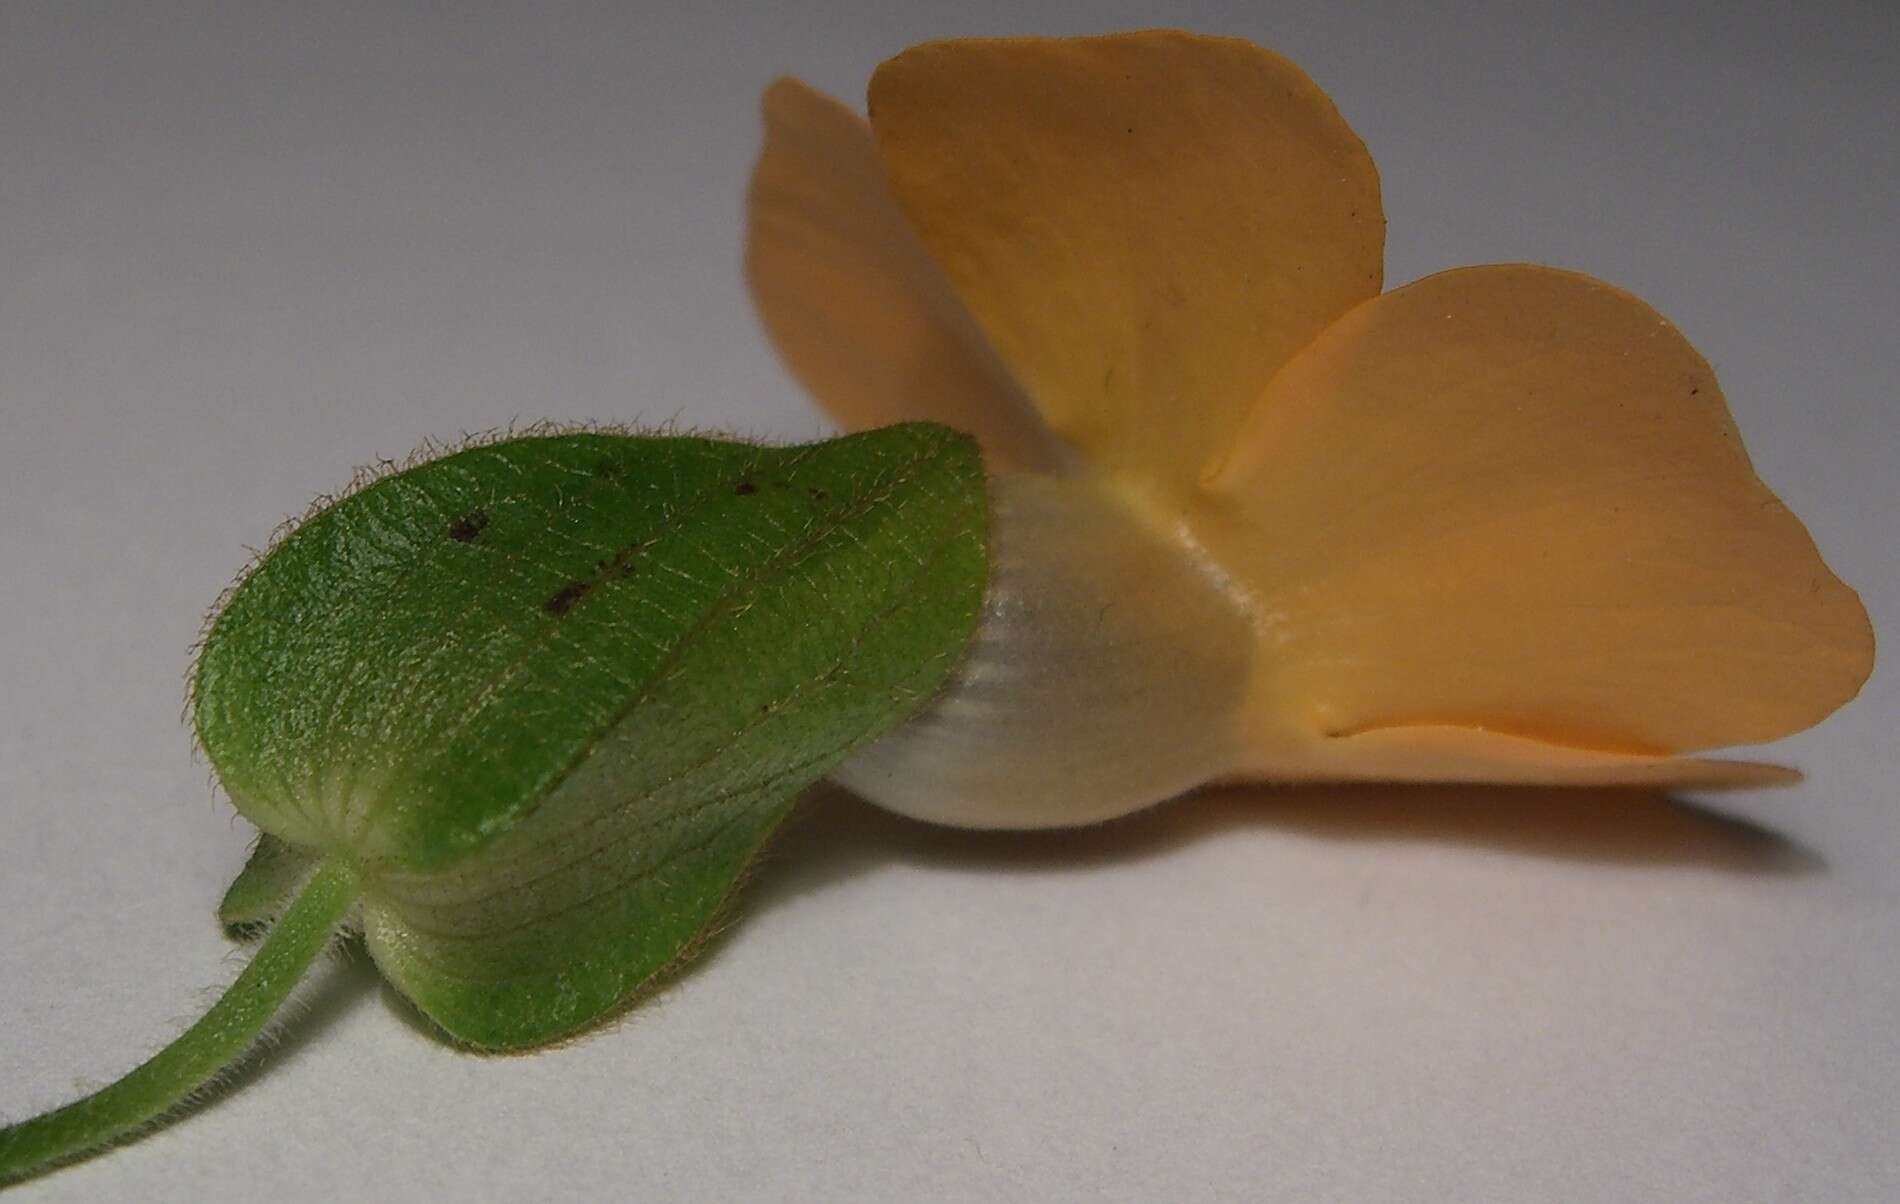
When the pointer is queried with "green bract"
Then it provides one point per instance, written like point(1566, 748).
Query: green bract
point(534, 705)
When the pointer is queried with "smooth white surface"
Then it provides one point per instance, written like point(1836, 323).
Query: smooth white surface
point(247, 248)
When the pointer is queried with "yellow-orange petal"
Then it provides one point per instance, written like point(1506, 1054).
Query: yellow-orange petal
point(1146, 225)
point(854, 303)
point(1511, 499)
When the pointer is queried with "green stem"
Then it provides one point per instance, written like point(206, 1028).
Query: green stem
point(225, 1032)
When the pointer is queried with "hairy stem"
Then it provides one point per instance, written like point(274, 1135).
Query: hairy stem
point(224, 1033)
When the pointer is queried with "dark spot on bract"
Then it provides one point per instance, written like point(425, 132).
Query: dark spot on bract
point(567, 597)
point(817, 494)
point(468, 526)
point(608, 469)
point(745, 488)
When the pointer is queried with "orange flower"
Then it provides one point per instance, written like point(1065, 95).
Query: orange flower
point(1495, 525)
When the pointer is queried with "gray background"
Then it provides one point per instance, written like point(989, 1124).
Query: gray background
point(245, 248)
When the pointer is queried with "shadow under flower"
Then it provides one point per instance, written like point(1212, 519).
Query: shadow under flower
point(833, 837)
point(836, 836)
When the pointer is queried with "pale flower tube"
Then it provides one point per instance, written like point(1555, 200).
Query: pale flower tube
point(1254, 519)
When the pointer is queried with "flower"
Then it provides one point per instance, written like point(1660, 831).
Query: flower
point(1494, 525)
